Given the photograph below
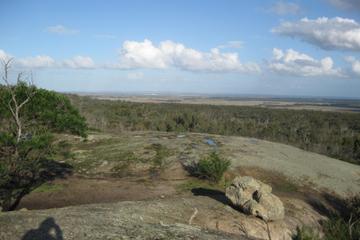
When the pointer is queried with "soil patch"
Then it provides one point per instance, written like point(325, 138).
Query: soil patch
point(77, 190)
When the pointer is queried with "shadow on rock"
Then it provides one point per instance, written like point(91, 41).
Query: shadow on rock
point(329, 205)
point(39, 172)
point(48, 230)
point(51, 169)
point(214, 194)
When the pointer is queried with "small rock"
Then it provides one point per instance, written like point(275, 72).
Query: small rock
point(255, 198)
point(104, 163)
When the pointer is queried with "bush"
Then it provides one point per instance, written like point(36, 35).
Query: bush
point(346, 224)
point(305, 233)
point(212, 167)
point(337, 228)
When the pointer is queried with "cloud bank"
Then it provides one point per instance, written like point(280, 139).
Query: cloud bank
point(146, 55)
point(172, 55)
point(41, 61)
point(3, 55)
point(326, 33)
point(169, 54)
point(79, 62)
point(355, 65)
point(44, 61)
point(291, 62)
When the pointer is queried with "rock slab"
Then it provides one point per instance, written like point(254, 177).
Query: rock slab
point(255, 198)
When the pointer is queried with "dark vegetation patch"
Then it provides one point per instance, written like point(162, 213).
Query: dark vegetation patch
point(343, 222)
point(49, 187)
point(334, 134)
point(211, 167)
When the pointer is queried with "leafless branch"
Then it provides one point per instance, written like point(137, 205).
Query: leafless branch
point(14, 105)
point(268, 230)
point(351, 225)
point(193, 216)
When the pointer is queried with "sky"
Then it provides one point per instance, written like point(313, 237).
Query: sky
point(267, 47)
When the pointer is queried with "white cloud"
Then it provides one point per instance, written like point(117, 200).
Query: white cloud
point(169, 54)
point(135, 75)
point(326, 33)
point(346, 4)
point(355, 65)
point(79, 62)
point(285, 8)
point(4, 56)
point(141, 55)
point(61, 30)
point(291, 62)
point(231, 44)
point(41, 61)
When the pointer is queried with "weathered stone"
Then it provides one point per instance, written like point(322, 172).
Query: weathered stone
point(124, 220)
point(255, 198)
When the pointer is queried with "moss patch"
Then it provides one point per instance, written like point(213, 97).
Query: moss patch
point(48, 187)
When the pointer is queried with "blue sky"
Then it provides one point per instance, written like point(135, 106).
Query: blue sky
point(302, 48)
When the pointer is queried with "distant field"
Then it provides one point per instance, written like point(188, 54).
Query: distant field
point(335, 134)
point(318, 104)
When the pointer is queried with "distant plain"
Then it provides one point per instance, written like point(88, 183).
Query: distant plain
point(273, 102)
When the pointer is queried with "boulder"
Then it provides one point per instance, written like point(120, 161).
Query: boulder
point(255, 198)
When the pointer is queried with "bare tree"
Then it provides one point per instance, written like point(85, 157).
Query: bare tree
point(15, 104)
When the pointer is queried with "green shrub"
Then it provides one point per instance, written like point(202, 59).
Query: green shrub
point(212, 167)
point(305, 233)
point(337, 228)
point(161, 153)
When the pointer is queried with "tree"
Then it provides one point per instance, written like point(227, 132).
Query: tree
point(28, 119)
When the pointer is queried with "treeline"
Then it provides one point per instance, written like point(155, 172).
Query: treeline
point(333, 134)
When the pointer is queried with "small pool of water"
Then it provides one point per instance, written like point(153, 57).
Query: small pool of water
point(210, 142)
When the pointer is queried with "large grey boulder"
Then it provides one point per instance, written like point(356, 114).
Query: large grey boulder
point(255, 198)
